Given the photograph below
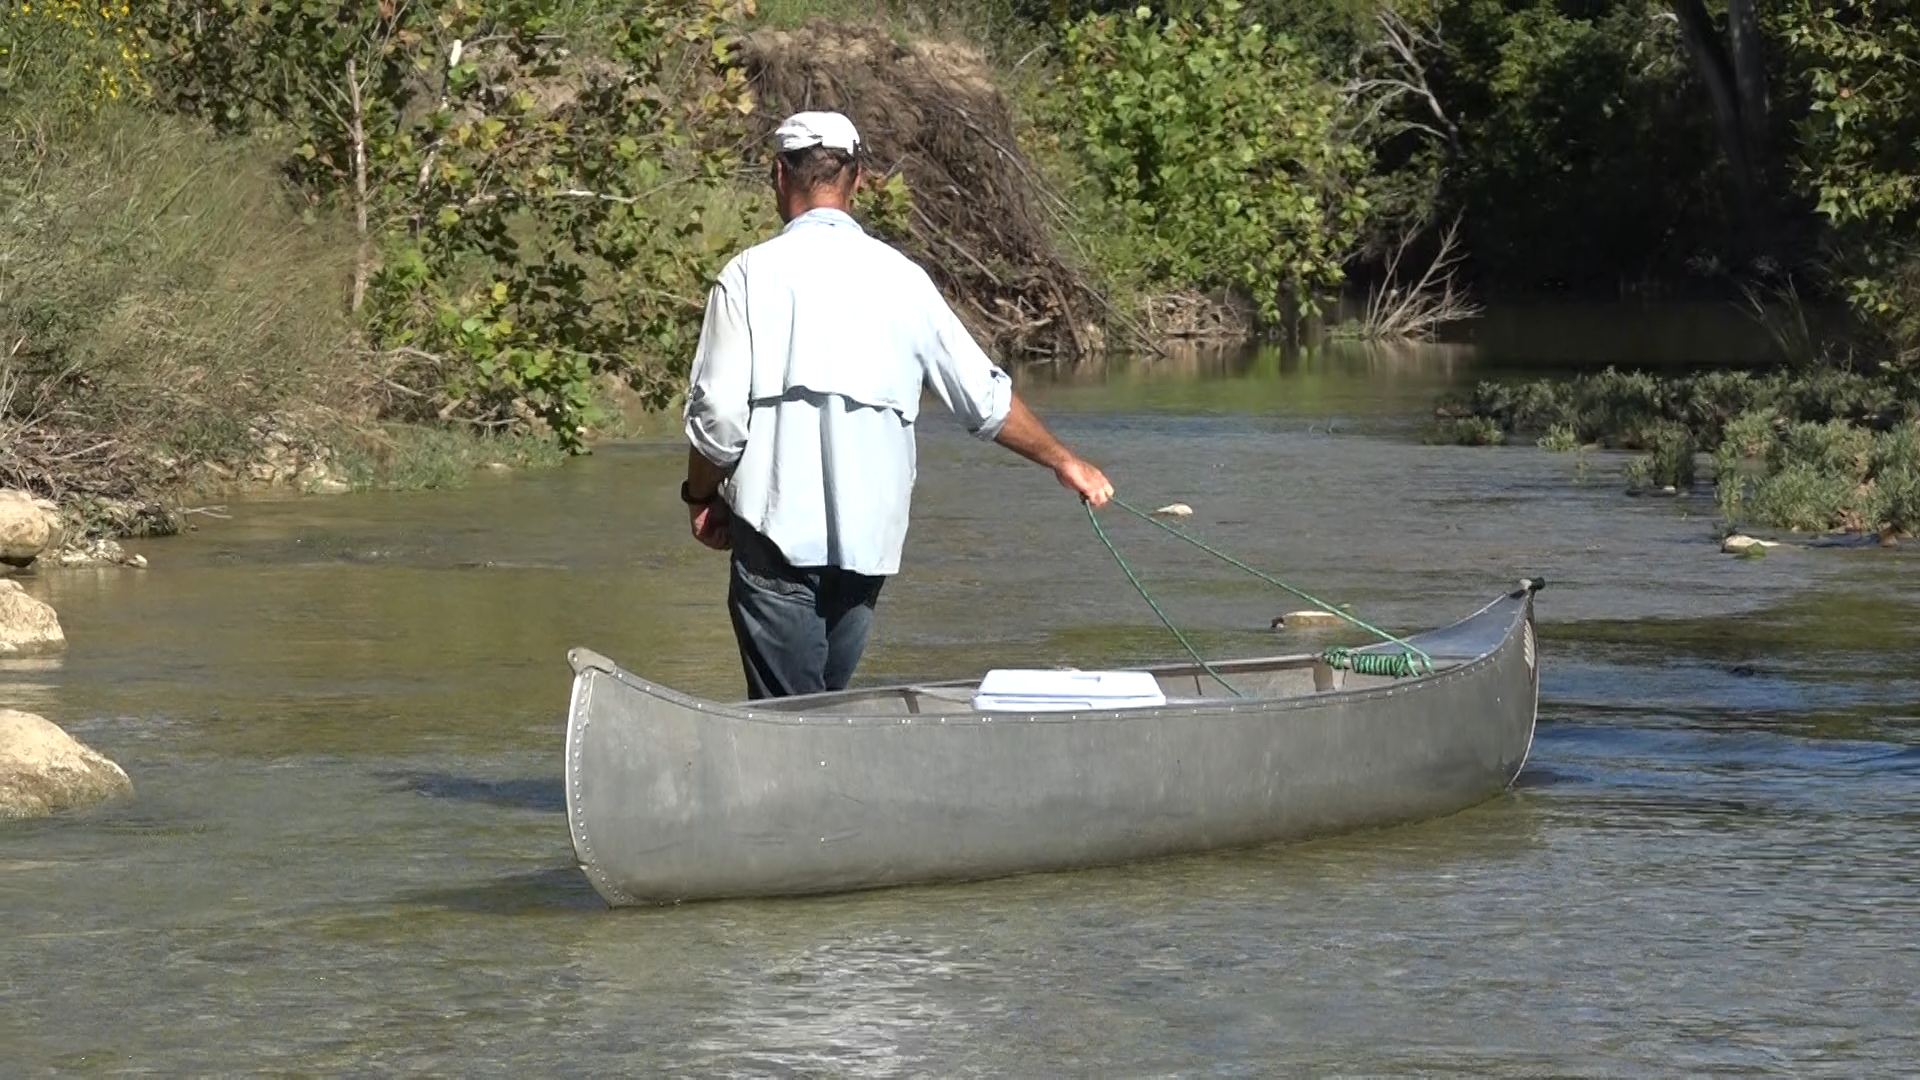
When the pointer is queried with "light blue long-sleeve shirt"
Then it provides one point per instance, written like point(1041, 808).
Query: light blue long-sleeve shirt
point(816, 347)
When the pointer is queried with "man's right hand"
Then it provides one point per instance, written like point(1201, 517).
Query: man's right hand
point(712, 524)
point(1079, 475)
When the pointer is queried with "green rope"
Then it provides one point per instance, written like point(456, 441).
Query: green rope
point(1415, 657)
point(1410, 661)
point(1168, 623)
point(1397, 665)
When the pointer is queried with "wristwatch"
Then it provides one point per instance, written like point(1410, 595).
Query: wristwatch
point(686, 496)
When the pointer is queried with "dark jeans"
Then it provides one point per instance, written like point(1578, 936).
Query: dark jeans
point(801, 629)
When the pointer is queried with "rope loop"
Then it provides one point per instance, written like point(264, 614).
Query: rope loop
point(1168, 623)
point(1409, 661)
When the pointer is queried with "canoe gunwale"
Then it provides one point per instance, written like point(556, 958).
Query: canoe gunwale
point(585, 661)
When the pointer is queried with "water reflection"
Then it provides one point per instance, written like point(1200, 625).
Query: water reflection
point(1555, 336)
point(1189, 361)
point(1370, 382)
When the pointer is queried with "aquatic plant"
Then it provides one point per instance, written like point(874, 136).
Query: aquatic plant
point(1559, 439)
point(1467, 431)
point(1669, 462)
point(1813, 449)
point(1838, 476)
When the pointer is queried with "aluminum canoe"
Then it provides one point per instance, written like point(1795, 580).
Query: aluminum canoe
point(673, 798)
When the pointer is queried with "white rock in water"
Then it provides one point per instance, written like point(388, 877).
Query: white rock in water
point(1295, 620)
point(26, 624)
point(28, 527)
point(43, 769)
point(1740, 545)
point(1175, 510)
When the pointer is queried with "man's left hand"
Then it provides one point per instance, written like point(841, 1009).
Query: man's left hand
point(712, 524)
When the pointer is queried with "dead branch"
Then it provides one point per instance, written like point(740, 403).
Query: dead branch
point(357, 132)
point(1402, 44)
point(1418, 310)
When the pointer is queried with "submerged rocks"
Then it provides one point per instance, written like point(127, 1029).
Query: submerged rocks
point(98, 552)
point(44, 770)
point(26, 624)
point(289, 452)
point(29, 527)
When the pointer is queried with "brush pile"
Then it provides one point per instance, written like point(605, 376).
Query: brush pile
point(928, 111)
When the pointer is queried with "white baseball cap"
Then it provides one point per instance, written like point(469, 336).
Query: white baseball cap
point(828, 129)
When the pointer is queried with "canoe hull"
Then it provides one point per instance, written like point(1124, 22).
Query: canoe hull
point(671, 798)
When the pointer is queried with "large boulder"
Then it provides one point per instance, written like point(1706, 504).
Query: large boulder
point(28, 527)
point(26, 624)
point(44, 769)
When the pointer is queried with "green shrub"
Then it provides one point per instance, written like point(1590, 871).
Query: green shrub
point(1218, 143)
point(1900, 498)
point(1747, 438)
point(1803, 498)
point(412, 457)
point(1467, 431)
point(547, 188)
point(1627, 410)
point(1896, 476)
point(71, 55)
point(1750, 434)
point(1559, 439)
point(1840, 476)
point(1669, 461)
point(1834, 447)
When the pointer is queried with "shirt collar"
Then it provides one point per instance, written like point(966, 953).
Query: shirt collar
point(823, 215)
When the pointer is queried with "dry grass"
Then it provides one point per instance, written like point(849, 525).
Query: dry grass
point(159, 302)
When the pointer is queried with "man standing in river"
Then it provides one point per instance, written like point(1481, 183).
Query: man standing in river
point(800, 412)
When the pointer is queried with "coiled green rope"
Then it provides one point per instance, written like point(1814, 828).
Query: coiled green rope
point(1409, 661)
point(1398, 665)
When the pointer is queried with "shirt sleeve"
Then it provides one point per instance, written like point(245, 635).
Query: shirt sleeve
point(970, 385)
point(720, 387)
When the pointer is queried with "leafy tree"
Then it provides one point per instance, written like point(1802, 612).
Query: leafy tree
point(1733, 71)
point(1856, 65)
point(1587, 158)
point(540, 201)
point(1220, 143)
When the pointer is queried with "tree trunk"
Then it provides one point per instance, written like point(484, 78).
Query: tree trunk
point(358, 134)
point(1749, 76)
point(1727, 83)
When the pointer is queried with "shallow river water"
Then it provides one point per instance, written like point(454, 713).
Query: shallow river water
point(348, 852)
